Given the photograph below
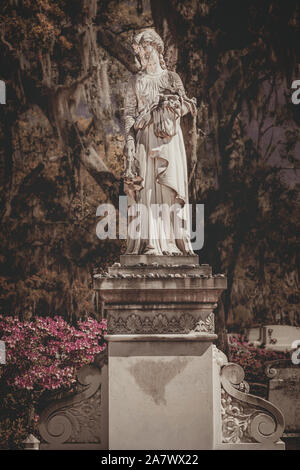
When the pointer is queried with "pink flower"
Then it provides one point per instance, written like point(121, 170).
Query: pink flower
point(44, 353)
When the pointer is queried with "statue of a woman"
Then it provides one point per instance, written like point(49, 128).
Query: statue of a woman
point(156, 168)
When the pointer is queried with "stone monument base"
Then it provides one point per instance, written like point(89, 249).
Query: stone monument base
point(168, 399)
point(169, 386)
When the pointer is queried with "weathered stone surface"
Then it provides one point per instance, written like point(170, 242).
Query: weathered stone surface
point(246, 418)
point(284, 392)
point(133, 260)
point(280, 337)
point(159, 322)
point(158, 299)
point(168, 387)
point(79, 421)
point(181, 393)
point(167, 402)
point(184, 269)
point(155, 177)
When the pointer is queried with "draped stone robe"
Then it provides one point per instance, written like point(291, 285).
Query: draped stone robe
point(160, 162)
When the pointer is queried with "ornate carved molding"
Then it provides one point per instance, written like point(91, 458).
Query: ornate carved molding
point(85, 417)
point(235, 420)
point(156, 275)
point(271, 367)
point(160, 324)
point(245, 417)
point(219, 357)
point(76, 418)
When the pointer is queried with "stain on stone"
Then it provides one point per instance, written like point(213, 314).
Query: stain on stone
point(153, 376)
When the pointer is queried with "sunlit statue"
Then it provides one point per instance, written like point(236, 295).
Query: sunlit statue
point(156, 168)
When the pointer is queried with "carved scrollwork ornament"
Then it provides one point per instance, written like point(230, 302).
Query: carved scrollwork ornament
point(64, 419)
point(245, 417)
point(271, 367)
point(219, 357)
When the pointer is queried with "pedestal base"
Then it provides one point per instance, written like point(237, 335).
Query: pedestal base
point(169, 387)
point(177, 392)
point(167, 402)
point(280, 445)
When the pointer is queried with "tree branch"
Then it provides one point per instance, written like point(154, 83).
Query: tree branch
point(112, 44)
point(94, 164)
point(5, 42)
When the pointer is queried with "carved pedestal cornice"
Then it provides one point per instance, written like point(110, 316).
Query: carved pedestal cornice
point(158, 295)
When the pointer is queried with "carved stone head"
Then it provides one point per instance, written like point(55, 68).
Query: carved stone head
point(145, 44)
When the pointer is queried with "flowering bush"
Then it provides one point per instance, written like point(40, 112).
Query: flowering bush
point(42, 356)
point(253, 359)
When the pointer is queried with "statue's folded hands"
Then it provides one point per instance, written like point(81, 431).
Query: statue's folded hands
point(143, 120)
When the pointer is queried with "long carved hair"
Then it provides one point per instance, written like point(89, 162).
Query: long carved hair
point(151, 36)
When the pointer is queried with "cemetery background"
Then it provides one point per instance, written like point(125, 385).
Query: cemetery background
point(61, 153)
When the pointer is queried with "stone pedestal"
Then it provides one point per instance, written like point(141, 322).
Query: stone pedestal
point(167, 402)
point(169, 387)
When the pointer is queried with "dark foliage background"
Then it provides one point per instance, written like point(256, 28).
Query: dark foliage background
point(65, 64)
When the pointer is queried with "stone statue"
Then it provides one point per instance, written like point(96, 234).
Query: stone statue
point(156, 168)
